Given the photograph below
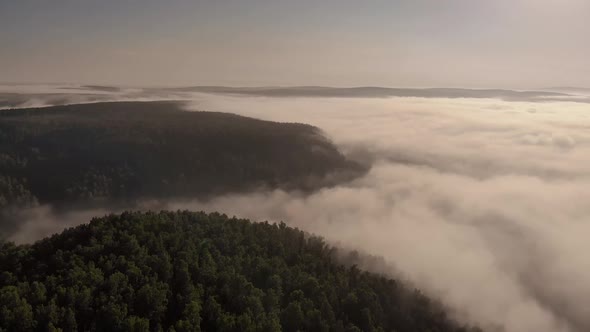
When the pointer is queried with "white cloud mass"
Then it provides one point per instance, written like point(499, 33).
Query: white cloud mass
point(481, 203)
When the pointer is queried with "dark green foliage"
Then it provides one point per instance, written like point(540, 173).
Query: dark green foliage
point(105, 154)
point(125, 150)
point(14, 193)
point(183, 271)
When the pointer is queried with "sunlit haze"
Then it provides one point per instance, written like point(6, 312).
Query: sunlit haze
point(405, 43)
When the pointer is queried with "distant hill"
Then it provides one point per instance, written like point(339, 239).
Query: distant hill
point(369, 92)
point(199, 272)
point(28, 100)
point(101, 88)
point(61, 95)
point(569, 90)
point(107, 153)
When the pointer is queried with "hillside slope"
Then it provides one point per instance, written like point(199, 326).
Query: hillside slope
point(184, 271)
point(113, 152)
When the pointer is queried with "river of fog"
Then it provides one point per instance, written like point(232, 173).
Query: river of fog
point(483, 203)
point(480, 202)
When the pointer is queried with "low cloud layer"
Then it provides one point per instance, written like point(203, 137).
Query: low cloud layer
point(480, 202)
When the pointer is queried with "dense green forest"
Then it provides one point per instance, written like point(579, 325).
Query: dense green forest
point(186, 271)
point(122, 151)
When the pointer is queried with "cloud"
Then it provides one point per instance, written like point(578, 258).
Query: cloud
point(492, 249)
point(479, 202)
point(560, 141)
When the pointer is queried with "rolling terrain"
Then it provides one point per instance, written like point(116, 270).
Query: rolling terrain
point(106, 154)
point(200, 272)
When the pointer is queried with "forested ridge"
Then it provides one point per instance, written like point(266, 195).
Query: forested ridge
point(109, 153)
point(186, 271)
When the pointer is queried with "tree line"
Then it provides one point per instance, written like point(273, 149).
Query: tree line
point(187, 271)
point(103, 154)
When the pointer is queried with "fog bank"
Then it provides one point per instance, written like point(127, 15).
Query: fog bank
point(480, 202)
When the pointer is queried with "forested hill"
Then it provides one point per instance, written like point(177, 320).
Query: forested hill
point(128, 150)
point(183, 271)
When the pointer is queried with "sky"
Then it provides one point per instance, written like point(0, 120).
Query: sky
point(405, 43)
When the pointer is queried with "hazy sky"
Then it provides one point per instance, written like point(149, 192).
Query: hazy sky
point(419, 43)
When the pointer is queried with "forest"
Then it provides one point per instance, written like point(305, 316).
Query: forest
point(120, 152)
point(192, 271)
